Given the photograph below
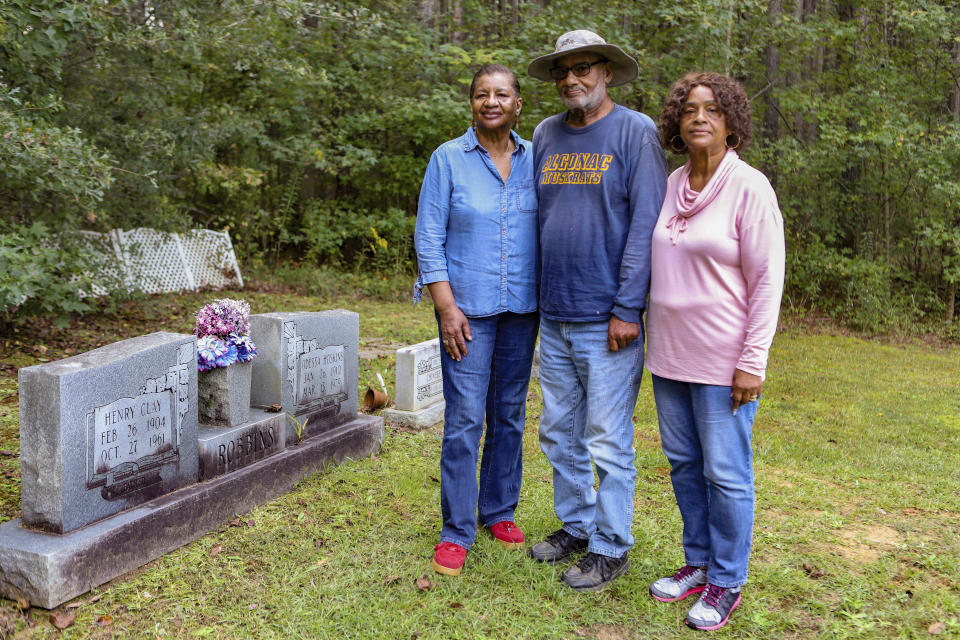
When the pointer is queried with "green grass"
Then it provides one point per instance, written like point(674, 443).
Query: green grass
point(857, 532)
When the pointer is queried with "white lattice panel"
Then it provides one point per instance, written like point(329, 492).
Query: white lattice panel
point(209, 256)
point(157, 262)
point(108, 269)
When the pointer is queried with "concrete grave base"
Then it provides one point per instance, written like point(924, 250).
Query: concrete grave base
point(49, 569)
point(227, 449)
point(426, 417)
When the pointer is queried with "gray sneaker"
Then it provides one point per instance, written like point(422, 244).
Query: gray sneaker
point(687, 581)
point(713, 609)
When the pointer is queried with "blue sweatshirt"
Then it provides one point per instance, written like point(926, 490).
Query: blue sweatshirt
point(600, 189)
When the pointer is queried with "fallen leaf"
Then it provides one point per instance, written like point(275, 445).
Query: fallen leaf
point(105, 621)
point(236, 522)
point(215, 549)
point(62, 619)
point(95, 598)
point(424, 583)
point(7, 453)
point(301, 502)
point(391, 580)
point(22, 603)
point(456, 605)
point(251, 523)
point(434, 478)
point(274, 408)
point(937, 628)
point(319, 543)
point(912, 511)
point(813, 572)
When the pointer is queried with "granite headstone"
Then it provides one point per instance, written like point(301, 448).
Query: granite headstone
point(419, 386)
point(307, 365)
point(108, 429)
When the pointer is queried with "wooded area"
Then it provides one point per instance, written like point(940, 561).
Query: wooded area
point(304, 127)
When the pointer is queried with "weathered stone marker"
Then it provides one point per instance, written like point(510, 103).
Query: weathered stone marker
point(110, 451)
point(108, 429)
point(227, 449)
point(308, 365)
point(419, 391)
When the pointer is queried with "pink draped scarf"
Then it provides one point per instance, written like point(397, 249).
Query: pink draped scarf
point(689, 202)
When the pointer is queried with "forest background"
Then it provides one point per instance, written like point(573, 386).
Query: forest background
point(304, 128)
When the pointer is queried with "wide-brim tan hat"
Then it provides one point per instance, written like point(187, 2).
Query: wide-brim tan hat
point(625, 68)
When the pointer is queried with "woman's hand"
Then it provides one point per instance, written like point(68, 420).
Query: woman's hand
point(746, 388)
point(454, 332)
point(454, 326)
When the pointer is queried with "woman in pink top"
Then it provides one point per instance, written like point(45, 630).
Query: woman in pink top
point(716, 281)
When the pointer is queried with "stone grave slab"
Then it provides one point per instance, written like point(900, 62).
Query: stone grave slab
point(106, 430)
point(226, 449)
point(308, 365)
point(419, 386)
point(49, 569)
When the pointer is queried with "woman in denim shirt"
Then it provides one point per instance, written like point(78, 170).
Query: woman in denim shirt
point(476, 241)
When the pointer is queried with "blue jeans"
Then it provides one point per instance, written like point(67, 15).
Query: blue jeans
point(711, 466)
point(589, 394)
point(490, 381)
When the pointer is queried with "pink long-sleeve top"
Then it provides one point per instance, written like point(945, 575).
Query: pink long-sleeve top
point(716, 276)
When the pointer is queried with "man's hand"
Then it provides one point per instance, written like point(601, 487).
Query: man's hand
point(620, 333)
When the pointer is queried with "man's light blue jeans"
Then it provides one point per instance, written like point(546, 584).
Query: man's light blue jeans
point(711, 466)
point(589, 394)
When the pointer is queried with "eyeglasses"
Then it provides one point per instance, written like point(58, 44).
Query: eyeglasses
point(580, 69)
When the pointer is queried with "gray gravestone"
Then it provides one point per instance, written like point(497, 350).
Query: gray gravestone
point(419, 391)
point(307, 364)
point(107, 430)
point(224, 395)
point(223, 450)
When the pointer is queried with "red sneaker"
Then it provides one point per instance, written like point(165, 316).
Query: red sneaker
point(507, 534)
point(448, 558)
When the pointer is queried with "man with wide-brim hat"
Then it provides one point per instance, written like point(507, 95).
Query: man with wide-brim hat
point(601, 176)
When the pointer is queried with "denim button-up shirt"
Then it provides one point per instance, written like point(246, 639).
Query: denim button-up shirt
point(478, 231)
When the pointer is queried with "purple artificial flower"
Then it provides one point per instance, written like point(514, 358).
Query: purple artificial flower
point(222, 317)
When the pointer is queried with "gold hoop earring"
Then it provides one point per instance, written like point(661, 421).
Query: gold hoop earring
point(678, 148)
point(733, 146)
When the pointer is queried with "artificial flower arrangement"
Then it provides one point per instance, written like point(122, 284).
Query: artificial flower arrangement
point(223, 334)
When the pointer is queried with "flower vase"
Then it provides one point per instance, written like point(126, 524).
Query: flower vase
point(224, 395)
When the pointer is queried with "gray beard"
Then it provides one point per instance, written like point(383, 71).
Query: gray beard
point(585, 102)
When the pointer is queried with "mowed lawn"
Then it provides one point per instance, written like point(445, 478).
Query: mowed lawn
point(857, 456)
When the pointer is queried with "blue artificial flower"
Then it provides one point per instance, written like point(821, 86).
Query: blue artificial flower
point(228, 358)
point(246, 350)
point(212, 352)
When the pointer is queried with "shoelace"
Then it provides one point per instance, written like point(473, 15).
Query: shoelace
point(713, 595)
point(685, 571)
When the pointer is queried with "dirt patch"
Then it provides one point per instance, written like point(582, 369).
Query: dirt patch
point(373, 348)
point(605, 632)
point(868, 543)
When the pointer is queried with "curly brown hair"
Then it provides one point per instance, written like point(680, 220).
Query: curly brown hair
point(730, 96)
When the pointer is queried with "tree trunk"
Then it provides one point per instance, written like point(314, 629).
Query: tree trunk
point(955, 110)
point(771, 117)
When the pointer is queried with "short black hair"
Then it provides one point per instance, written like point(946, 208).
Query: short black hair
point(490, 69)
